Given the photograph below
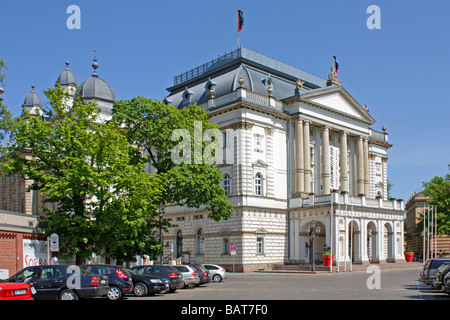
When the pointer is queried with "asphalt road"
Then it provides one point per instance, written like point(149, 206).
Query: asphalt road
point(385, 284)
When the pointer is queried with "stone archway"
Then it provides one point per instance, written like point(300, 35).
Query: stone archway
point(354, 248)
point(372, 249)
point(319, 242)
point(388, 242)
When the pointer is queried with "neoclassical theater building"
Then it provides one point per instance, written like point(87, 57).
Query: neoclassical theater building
point(297, 149)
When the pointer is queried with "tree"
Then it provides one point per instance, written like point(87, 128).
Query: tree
point(152, 127)
point(98, 199)
point(438, 190)
point(5, 115)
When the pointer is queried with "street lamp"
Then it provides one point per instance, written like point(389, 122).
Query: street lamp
point(1, 91)
point(313, 233)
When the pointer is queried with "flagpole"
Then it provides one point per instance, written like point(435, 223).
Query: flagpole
point(435, 231)
point(423, 232)
point(428, 232)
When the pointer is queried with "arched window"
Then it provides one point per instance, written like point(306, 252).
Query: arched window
point(258, 184)
point(227, 184)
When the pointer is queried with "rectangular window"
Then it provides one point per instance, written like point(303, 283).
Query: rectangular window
point(225, 245)
point(260, 245)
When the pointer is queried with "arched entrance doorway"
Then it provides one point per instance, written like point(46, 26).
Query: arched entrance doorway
point(354, 242)
point(388, 242)
point(372, 242)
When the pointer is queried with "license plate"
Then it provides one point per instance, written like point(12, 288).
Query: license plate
point(33, 290)
point(20, 292)
point(103, 281)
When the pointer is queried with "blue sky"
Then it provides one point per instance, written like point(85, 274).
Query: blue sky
point(400, 71)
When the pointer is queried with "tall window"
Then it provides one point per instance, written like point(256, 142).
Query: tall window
point(225, 245)
point(179, 244)
point(259, 245)
point(258, 184)
point(227, 184)
point(199, 241)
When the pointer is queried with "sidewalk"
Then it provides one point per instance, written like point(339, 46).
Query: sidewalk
point(342, 268)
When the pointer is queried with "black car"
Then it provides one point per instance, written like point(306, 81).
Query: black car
point(202, 272)
point(144, 284)
point(55, 282)
point(119, 279)
point(172, 275)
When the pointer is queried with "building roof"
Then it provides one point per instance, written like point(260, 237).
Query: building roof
point(258, 71)
point(66, 77)
point(96, 88)
point(32, 99)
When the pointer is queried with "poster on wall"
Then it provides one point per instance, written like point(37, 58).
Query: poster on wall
point(34, 252)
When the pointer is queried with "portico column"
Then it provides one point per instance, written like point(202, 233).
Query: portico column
point(326, 160)
point(360, 166)
point(366, 166)
point(299, 159)
point(307, 156)
point(343, 163)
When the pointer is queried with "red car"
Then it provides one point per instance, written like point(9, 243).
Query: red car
point(15, 291)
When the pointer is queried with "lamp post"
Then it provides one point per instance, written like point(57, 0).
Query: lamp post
point(313, 233)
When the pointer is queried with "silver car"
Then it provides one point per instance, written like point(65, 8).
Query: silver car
point(190, 276)
point(429, 269)
point(216, 272)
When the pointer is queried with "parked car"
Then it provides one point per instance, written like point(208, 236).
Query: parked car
point(441, 271)
point(144, 284)
point(119, 279)
point(216, 272)
point(203, 274)
point(172, 275)
point(15, 291)
point(59, 282)
point(190, 276)
point(446, 283)
point(429, 269)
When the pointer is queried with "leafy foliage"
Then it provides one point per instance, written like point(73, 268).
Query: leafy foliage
point(150, 125)
point(96, 197)
point(438, 189)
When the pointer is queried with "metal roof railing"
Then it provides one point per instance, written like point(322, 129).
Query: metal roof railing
point(248, 54)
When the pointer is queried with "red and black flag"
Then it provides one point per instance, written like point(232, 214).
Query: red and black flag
point(240, 20)
point(336, 64)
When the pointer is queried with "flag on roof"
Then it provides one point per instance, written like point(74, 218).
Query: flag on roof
point(336, 64)
point(240, 20)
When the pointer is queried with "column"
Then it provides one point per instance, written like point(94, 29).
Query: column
point(299, 161)
point(326, 160)
point(307, 157)
point(343, 163)
point(359, 166)
point(366, 167)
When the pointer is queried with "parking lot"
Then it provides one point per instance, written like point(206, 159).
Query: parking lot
point(395, 284)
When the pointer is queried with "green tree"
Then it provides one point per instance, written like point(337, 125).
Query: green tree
point(438, 189)
point(150, 125)
point(5, 115)
point(98, 199)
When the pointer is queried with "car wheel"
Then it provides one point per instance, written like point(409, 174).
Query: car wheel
point(217, 278)
point(114, 293)
point(140, 289)
point(68, 294)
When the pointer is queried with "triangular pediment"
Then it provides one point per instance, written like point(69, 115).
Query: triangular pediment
point(259, 163)
point(337, 99)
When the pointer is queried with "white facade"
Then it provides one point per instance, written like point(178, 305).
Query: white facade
point(283, 168)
